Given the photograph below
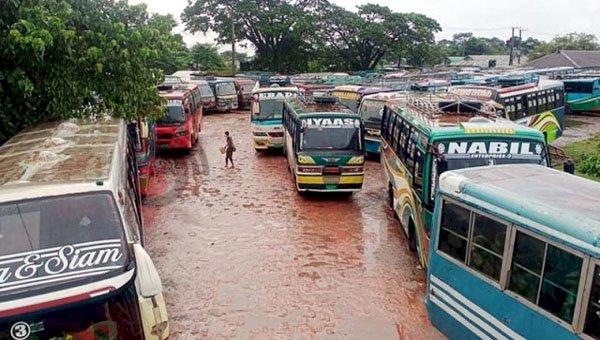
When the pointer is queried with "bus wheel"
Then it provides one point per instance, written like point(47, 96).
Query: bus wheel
point(412, 237)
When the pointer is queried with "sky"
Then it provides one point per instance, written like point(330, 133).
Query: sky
point(487, 18)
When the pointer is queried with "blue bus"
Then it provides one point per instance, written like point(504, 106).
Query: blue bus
point(370, 111)
point(582, 95)
point(515, 254)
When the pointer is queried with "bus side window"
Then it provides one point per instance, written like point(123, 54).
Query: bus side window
point(395, 131)
point(545, 275)
point(384, 123)
point(592, 318)
point(474, 239)
point(401, 148)
point(418, 171)
point(409, 151)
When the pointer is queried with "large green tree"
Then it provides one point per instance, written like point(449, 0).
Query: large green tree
point(278, 29)
point(360, 40)
point(59, 56)
point(571, 41)
point(206, 57)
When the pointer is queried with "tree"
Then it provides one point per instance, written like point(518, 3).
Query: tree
point(175, 55)
point(206, 57)
point(359, 41)
point(571, 41)
point(59, 56)
point(278, 29)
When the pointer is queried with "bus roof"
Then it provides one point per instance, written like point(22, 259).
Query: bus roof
point(349, 88)
point(559, 205)
point(275, 89)
point(177, 92)
point(315, 109)
point(59, 156)
point(446, 115)
point(581, 80)
point(385, 96)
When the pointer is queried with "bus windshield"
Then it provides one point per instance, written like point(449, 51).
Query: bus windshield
point(370, 112)
point(174, 114)
point(225, 89)
point(63, 236)
point(579, 87)
point(330, 138)
point(206, 91)
point(269, 109)
point(114, 317)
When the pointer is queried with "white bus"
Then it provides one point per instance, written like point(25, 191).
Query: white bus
point(72, 263)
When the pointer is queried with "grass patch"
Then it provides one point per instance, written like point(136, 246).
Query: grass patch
point(576, 151)
point(574, 123)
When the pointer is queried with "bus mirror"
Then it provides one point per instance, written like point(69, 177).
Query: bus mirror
point(147, 276)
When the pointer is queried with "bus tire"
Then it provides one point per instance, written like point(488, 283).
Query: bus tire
point(412, 237)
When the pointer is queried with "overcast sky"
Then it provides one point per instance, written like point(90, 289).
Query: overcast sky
point(541, 19)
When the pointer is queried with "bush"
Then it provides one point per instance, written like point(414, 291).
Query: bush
point(590, 165)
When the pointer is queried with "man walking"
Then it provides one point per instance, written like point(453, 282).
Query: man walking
point(229, 149)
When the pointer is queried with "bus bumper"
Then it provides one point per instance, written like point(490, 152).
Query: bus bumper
point(344, 183)
point(174, 143)
point(265, 143)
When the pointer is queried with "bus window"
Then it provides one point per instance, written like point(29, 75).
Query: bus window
point(401, 149)
point(479, 245)
point(486, 248)
point(454, 231)
point(545, 275)
point(409, 153)
point(418, 171)
point(592, 319)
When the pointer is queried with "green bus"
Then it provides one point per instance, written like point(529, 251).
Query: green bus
point(422, 137)
point(324, 145)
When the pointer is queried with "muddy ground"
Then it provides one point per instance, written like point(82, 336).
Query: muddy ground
point(242, 255)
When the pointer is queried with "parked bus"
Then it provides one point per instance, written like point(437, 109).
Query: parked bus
point(316, 92)
point(225, 94)
point(421, 137)
point(370, 111)
point(72, 261)
point(351, 95)
point(207, 96)
point(515, 255)
point(267, 115)
point(180, 126)
point(244, 89)
point(582, 95)
point(324, 146)
point(537, 105)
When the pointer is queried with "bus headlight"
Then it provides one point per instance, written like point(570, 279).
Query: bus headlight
point(305, 160)
point(356, 160)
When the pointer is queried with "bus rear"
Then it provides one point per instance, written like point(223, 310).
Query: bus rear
point(226, 95)
point(329, 154)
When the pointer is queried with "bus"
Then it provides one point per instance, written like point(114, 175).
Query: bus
point(72, 261)
point(267, 116)
point(324, 146)
point(537, 105)
point(142, 136)
point(226, 94)
point(244, 88)
point(370, 111)
point(582, 95)
point(180, 126)
point(515, 255)
point(423, 136)
point(193, 77)
point(351, 95)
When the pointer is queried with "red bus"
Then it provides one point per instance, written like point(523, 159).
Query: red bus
point(181, 124)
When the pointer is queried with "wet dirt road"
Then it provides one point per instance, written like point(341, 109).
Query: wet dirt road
point(242, 255)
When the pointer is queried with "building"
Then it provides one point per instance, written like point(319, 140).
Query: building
point(568, 58)
point(485, 61)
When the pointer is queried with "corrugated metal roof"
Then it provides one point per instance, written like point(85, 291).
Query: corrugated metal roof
point(570, 58)
point(71, 151)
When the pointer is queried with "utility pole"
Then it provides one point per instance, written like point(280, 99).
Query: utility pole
point(233, 69)
point(519, 47)
point(512, 47)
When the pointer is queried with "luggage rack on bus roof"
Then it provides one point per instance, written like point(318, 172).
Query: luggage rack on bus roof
point(435, 106)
